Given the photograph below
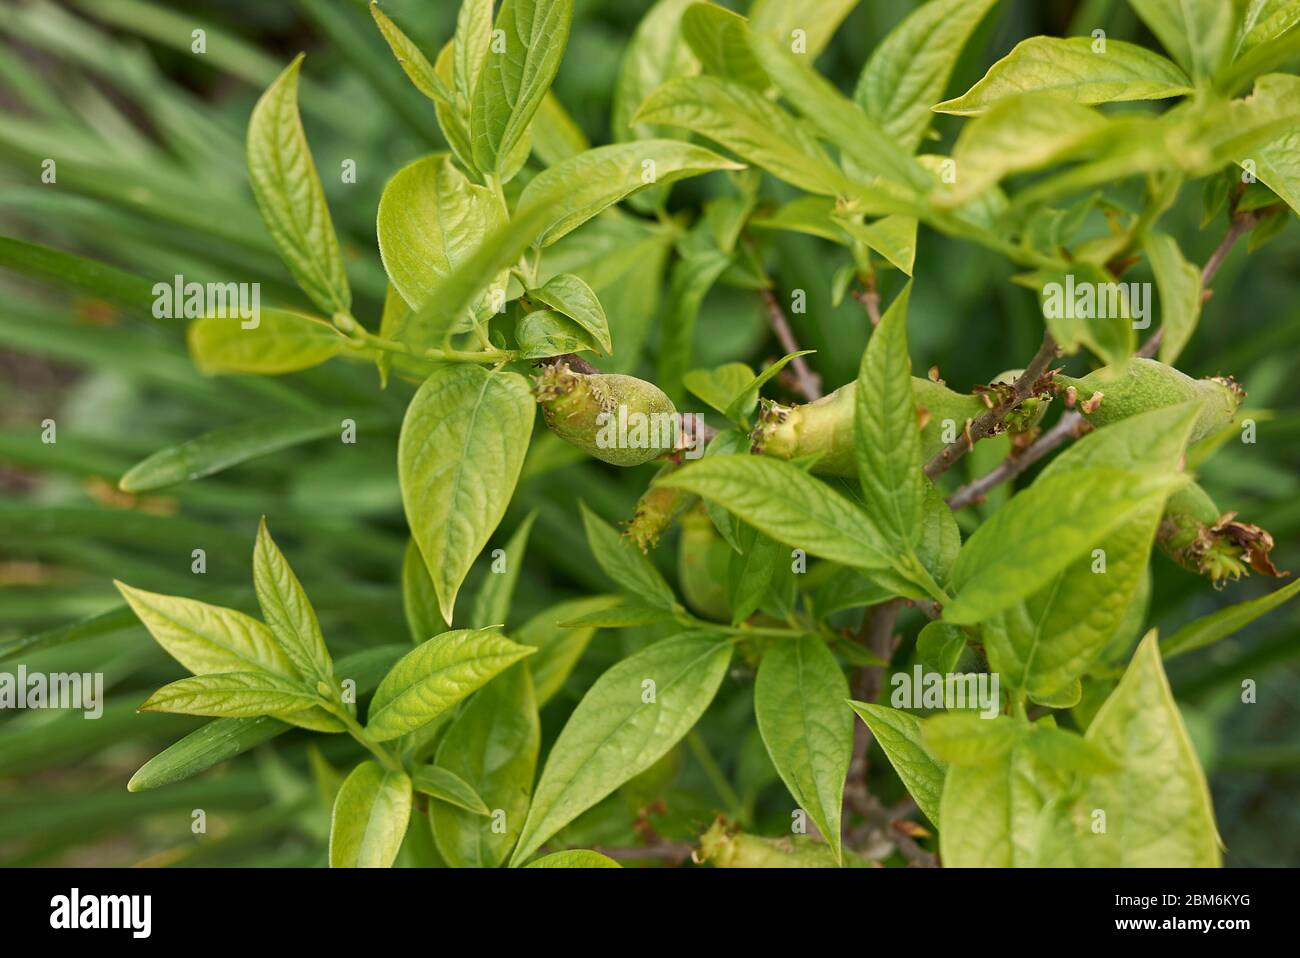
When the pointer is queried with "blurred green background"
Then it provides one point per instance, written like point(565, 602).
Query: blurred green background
point(148, 138)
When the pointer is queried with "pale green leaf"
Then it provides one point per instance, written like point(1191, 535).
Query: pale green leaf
point(282, 341)
point(1179, 285)
point(288, 611)
point(620, 559)
point(1197, 33)
point(207, 638)
point(512, 82)
point(544, 333)
point(459, 454)
point(626, 722)
point(560, 640)
point(370, 815)
point(656, 53)
point(492, 601)
point(570, 295)
point(1223, 623)
point(288, 193)
point(233, 695)
point(799, 699)
point(414, 63)
point(909, 70)
point(899, 735)
point(447, 786)
point(809, 23)
point(720, 39)
point(577, 858)
point(1077, 69)
point(434, 676)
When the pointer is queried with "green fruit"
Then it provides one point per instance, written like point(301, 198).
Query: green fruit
point(725, 848)
point(702, 559)
point(656, 510)
point(1203, 540)
point(621, 420)
point(1145, 384)
point(825, 427)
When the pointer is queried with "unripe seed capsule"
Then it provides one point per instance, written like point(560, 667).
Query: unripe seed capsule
point(702, 559)
point(825, 427)
point(724, 848)
point(1145, 384)
point(1203, 540)
point(656, 510)
point(618, 419)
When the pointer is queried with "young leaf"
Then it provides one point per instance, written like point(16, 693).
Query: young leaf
point(574, 191)
point(1074, 69)
point(288, 611)
point(434, 676)
point(283, 341)
point(419, 602)
point(1219, 625)
point(512, 81)
point(492, 602)
point(910, 68)
point(289, 195)
point(544, 332)
point(893, 237)
point(447, 786)
point(458, 458)
point(414, 63)
point(470, 46)
point(570, 295)
point(1158, 808)
point(432, 219)
point(699, 266)
point(1197, 33)
point(577, 858)
point(233, 694)
point(721, 40)
point(492, 745)
point(887, 432)
point(939, 645)
point(655, 54)
point(1179, 285)
point(965, 738)
point(1044, 529)
point(749, 125)
point(626, 722)
point(560, 640)
point(623, 562)
point(899, 734)
point(799, 703)
point(750, 572)
point(619, 617)
point(370, 815)
point(782, 500)
point(207, 638)
point(811, 23)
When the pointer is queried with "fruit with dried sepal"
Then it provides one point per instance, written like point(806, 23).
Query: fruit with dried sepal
point(618, 419)
point(1200, 538)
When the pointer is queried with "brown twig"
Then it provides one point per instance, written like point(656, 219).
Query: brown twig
point(1067, 427)
point(869, 297)
point(806, 381)
point(991, 422)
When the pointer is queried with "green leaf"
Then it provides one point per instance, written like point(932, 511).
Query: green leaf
point(1197, 33)
point(233, 694)
point(370, 816)
point(1074, 69)
point(447, 786)
point(1157, 807)
point(811, 23)
point(656, 53)
point(698, 267)
point(492, 602)
point(893, 237)
point(288, 193)
point(887, 433)
point(626, 722)
point(560, 640)
point(783, 501)
point(799, 703)
point(288, 611)
point(749, 125)
point(745, 398)
point(716, 387)
point(223, 739)
point(419, 602)
point(458, 458)
point(899, 735)
point(556, 137)
point(512, 82)
point(750, 572)
point(859, 138)
point(1047, 641)
point(492, 745)
point(720, 39)
point(544, 333)
point(434, 676)
point(577, 189)
point(939, 646)
point(283, 341)
point(910, 68)
point(576, 858)
point(414, 63)
point(570, 295)
point(1223, 623)
point(619, 617)
point(1016, 135)
point(1277, 161)
point(1179, 284)
point(989, 812)
point(470, 47)
point(966, 738)
point(229, 446)
point(206, 638)
point(1044, 529)
point(431, 220)
point(623, 562)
